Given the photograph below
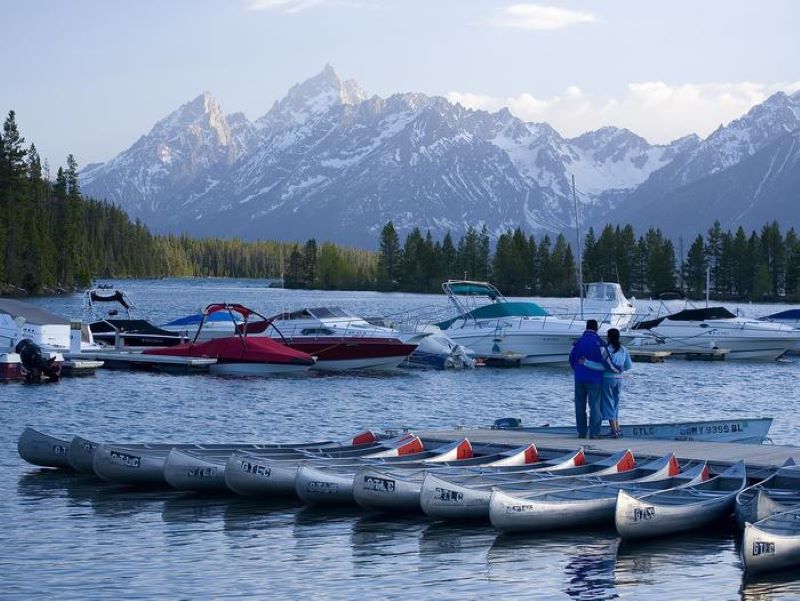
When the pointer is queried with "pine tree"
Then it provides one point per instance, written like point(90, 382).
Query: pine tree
point(390, 258)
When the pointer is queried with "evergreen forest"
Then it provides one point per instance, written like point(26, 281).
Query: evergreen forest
point(53, 239)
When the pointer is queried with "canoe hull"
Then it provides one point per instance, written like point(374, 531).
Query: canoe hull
point(81, 454)
point(376, 490)
point(190, 472)
point(764, 551)
point(131, 467)
point(645, 518)
point(43, 450)
point(323, 487)
point(442, 499)
point(251, 475)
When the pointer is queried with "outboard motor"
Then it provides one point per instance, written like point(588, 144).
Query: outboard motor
point(34, 363)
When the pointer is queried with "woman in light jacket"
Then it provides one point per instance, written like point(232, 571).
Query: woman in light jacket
point(612, 380)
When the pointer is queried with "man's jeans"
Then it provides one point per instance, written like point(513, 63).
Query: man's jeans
point(587, 393)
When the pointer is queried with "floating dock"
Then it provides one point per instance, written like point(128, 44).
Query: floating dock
point(131, 360)
point(640, 356)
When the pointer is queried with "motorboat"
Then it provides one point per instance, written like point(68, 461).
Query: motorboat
point(338, 339)
point(214, 325)
point(341, 340)
point(789, 317)
point(240, 355)
point(699, 330)
point(495, 328)
point(116, 326)
point(51, 332)
point(607, 303)
point(435, 350)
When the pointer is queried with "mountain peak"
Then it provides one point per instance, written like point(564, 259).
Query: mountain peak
point(312, 98)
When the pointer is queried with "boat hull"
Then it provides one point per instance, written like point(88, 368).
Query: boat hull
point(43, 450)
point(451, 501)
point(321, 486)
point(376, 490)
point(251, 475)
point(256, 369)
point(131, 467)
point(184, 471)
point(646, 518)
point(765, 550)
point(81, 454)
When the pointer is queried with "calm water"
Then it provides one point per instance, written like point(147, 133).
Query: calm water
point(68, 536)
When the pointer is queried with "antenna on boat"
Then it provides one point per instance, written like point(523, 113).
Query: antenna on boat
point(578, 247)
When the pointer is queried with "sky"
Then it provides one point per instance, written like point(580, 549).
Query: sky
point(89, 77)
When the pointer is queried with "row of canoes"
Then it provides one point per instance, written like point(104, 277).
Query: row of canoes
point(520, 489)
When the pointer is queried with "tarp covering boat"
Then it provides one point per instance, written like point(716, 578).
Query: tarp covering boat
point(232, 349)
point(702, 314)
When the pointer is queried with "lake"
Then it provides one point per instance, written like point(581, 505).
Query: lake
point(71, 537)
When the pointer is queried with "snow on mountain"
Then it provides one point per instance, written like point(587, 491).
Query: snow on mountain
point(328, 161)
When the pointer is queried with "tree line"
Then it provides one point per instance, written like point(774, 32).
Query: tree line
point(52, 238)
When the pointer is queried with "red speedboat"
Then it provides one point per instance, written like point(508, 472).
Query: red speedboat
point(338, 339)
point(241, 355)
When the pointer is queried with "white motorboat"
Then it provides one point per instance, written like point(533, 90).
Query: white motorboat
point(607, 303)
point(49, 331)
point(496, 328)
point(702, 330)
point(789, 317)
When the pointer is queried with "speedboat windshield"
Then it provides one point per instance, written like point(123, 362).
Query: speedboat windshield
point(604, 292)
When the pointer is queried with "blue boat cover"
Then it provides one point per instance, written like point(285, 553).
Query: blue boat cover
point(788, 314)
point(498, 311)
point(194, 319)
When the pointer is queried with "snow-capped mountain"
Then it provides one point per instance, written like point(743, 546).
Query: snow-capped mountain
point(330, 162)
point(724, 157)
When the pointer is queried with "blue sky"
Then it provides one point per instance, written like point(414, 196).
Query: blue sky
point(91, 76)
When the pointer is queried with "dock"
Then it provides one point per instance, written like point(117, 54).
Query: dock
point(720, 455)
point(641, 356)
point(114, 359)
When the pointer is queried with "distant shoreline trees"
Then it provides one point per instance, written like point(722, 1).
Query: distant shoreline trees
point(53, 239)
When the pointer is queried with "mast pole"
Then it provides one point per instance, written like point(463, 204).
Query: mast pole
point(578, 245)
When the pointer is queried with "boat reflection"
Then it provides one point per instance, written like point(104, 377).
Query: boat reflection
point(588, 560)
point(769, 587)
point(447, 537)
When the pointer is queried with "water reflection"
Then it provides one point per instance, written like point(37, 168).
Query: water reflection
point(586, 561)
point(443, 538)
point(770, 587)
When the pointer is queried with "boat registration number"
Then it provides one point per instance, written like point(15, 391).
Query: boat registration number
point(378, 484)
point(256, 469)
point(449, 496)
point(202, 472)
point(124, 459)
point(763, 548)
point(643, 514)
point(59, 449)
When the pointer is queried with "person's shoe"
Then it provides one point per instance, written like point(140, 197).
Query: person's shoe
point(616, 435)
point(582, 436)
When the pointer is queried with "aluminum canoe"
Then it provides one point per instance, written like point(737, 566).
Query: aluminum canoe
point(38, 448)
point(772, 543)
point(778, 493)
point(678, 510)
point(393, 490)
point(449, 498)
point(753, 431)
point(334, 484)
point(580, 505)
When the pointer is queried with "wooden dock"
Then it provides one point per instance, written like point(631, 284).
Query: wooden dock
point(114, 359)
point(719, 455)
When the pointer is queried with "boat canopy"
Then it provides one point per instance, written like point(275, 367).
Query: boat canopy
point(498, 311)
point(463, 288)
point(703, 314)
point(195, 318)
point(788, 314)
point(318, 313)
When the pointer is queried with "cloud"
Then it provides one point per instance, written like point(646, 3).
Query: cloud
point(655, 110)
point(285, 6)
point(537, 17)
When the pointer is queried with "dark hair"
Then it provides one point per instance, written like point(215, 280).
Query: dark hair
point(591, 324)
point(613, 338)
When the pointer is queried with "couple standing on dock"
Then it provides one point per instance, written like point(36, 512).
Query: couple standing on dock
point(598, 368)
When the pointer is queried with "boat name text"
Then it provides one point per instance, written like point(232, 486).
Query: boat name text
point(118, 458)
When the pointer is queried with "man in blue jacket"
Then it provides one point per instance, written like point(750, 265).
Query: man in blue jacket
point(588, 381)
